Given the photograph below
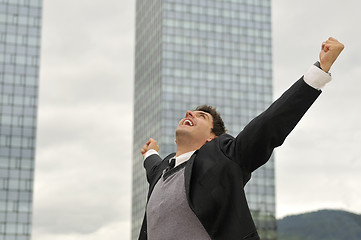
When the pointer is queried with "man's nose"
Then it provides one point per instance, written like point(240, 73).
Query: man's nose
point(189, 114)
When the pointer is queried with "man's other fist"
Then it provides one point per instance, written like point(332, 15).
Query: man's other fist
point(151, 144)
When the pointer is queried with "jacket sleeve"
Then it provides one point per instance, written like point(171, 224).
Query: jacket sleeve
point(255, 143)
point(151, 164)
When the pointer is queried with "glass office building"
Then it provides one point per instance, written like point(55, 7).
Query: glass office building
point(20, 23)
point(194, 52)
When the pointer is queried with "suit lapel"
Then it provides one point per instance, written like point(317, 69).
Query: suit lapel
point(165, 164)
point(159, 173)
point(188, 175)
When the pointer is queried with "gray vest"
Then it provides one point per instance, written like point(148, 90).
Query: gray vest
point(169, 216)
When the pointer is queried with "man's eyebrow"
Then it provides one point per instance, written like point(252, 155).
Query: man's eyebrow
point(204, 113)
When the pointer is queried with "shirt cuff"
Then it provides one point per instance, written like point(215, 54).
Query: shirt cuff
point(150, 152)
point(316, 77)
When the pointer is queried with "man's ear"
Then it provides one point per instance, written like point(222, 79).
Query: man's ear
point(211, 138)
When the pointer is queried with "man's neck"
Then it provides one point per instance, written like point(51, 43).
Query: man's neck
point(184, 148)
point(182, 151)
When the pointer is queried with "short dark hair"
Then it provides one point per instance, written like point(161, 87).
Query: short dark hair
point(218, 124)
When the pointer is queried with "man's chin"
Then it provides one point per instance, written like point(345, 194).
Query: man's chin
point(183, 132)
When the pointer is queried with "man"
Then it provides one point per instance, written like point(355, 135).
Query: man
point(197, 193)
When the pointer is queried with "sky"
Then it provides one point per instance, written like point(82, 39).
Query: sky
point(82, 187)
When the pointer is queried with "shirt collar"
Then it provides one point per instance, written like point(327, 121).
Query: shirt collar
point(183, 157)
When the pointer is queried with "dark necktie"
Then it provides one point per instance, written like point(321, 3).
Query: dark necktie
point(171, 164)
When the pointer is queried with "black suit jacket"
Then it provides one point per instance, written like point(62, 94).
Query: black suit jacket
point(216, 174)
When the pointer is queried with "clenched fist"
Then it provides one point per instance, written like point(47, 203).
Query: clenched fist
point(329, 53)
point(151, 144)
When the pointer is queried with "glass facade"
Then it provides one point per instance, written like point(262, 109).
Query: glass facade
point(194, 52)
point(20, 25)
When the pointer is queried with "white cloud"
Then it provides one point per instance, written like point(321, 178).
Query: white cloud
point(112, 231)
point(83, 160)
point(82, 170)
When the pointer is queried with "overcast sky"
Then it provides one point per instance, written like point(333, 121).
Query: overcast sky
point(83, 159)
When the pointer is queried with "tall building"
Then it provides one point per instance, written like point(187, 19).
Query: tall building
point(194, 52)
point(20, 22)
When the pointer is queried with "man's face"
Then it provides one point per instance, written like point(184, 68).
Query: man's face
point(196, 126)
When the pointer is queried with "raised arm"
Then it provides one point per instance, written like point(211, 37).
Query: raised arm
point(254, 145)
point(151, 158)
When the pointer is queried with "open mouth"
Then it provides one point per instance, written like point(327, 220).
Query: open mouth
point(188, 122)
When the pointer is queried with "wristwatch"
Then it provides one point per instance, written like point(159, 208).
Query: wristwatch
point(318, 64)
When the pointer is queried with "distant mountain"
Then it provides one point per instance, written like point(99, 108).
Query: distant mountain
point(320, 225)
